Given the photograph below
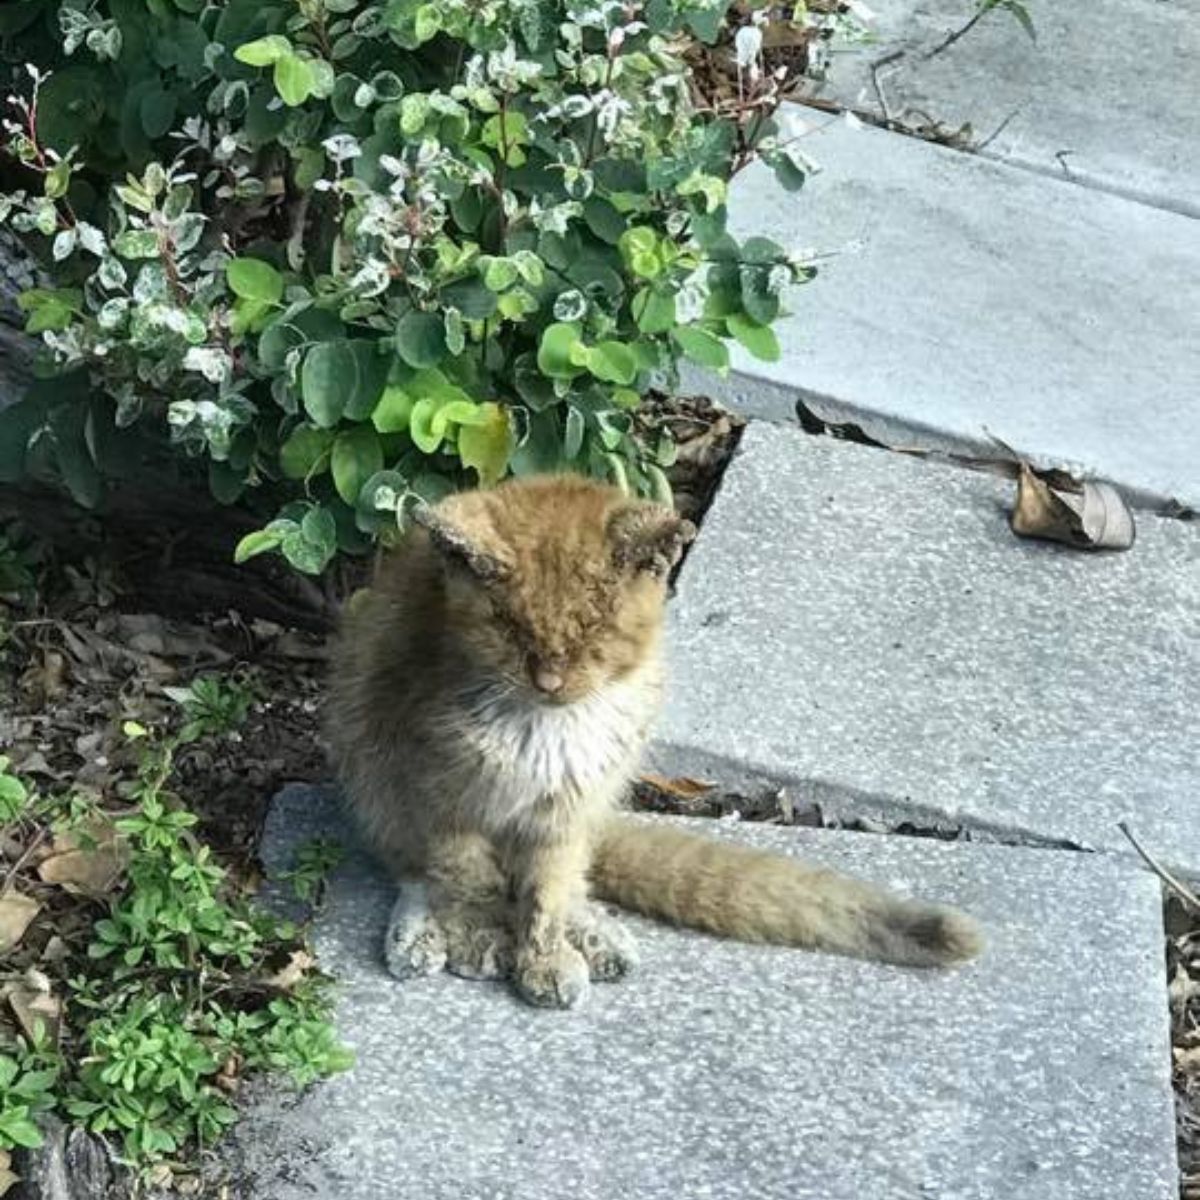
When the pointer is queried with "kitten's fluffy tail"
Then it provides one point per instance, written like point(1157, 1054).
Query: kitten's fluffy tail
point(759, 897)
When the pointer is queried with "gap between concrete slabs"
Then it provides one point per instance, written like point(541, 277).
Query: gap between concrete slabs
point(728, 1071)
point(965, 297)
point(864, 627)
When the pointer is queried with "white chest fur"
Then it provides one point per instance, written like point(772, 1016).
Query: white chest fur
point(531, 751)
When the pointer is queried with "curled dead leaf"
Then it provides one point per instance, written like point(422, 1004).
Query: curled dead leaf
point(682, 787)
point(16, 912)
point(1187, 1061)
point(1095, 518)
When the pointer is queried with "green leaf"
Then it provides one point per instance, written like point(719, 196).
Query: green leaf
point(421, 339)
point(253, 279)
point(604, 220)
point(136, 243)
point(264, 51)
point(485, 444)
point(554, 351)
point(702, 347)
point(760, 340)
point(329, 376)
point(258, 542)
point(426, 436)
point(18, 1129)
point(225, 481)
point(762, 251)
point(370, 379)
point(654, 310)
point(357, 455)
point(612, 362)
point(310, 545)
point(392, 413)
point(499, 274)
point(295, 80)
point(74, 456)
point(57, 180)
point(427, 23)
point(573, 432)
point(12, 790)
point(49, 308)
point(157, 111)
point(305, 448)
point(660, 485)
point(471, 297)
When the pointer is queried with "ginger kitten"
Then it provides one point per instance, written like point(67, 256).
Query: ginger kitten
point(491, 694)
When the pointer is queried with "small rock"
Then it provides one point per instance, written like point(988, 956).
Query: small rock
point(70, 1165)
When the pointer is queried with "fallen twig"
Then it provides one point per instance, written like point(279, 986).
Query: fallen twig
point(1180, 888)
point(876, 67)
point(961, 32)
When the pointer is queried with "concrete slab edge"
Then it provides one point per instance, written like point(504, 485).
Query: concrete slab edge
point(758, 398)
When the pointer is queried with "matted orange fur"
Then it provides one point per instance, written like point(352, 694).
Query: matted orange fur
point(491, 694)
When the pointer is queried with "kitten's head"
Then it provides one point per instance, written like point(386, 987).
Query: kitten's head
point(555, 584)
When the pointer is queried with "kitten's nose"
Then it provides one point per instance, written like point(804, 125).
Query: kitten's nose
point(546, 678)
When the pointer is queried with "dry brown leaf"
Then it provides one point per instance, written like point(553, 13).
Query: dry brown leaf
point(88, 864)
point(1182, 987)
point(16, 911)
point(36, 1008)
point(682, 788)
point(1187, 1061)
point(42, 682)
point(298, 965)
point(1096, 518)
point(7, 1176)
point(56, 951)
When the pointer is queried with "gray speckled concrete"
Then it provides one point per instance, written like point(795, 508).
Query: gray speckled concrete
point(865, 625)
point(1112, 85)
point(966, 297)
point(731, 1072)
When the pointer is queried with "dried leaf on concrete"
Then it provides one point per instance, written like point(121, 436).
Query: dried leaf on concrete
point(1095, 518)
point(16, 911)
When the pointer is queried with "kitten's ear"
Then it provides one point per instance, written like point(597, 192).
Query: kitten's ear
point(456, 546)
point(648, 537)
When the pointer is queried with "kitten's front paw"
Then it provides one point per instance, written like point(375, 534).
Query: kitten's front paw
point(477, 949)
point(608, 947)
point(555, 980)
point(415, 944)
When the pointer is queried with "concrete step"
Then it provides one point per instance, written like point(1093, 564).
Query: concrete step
point(865, 627)
point(724, 1071)
point(967, 297)
point(1108, 96)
